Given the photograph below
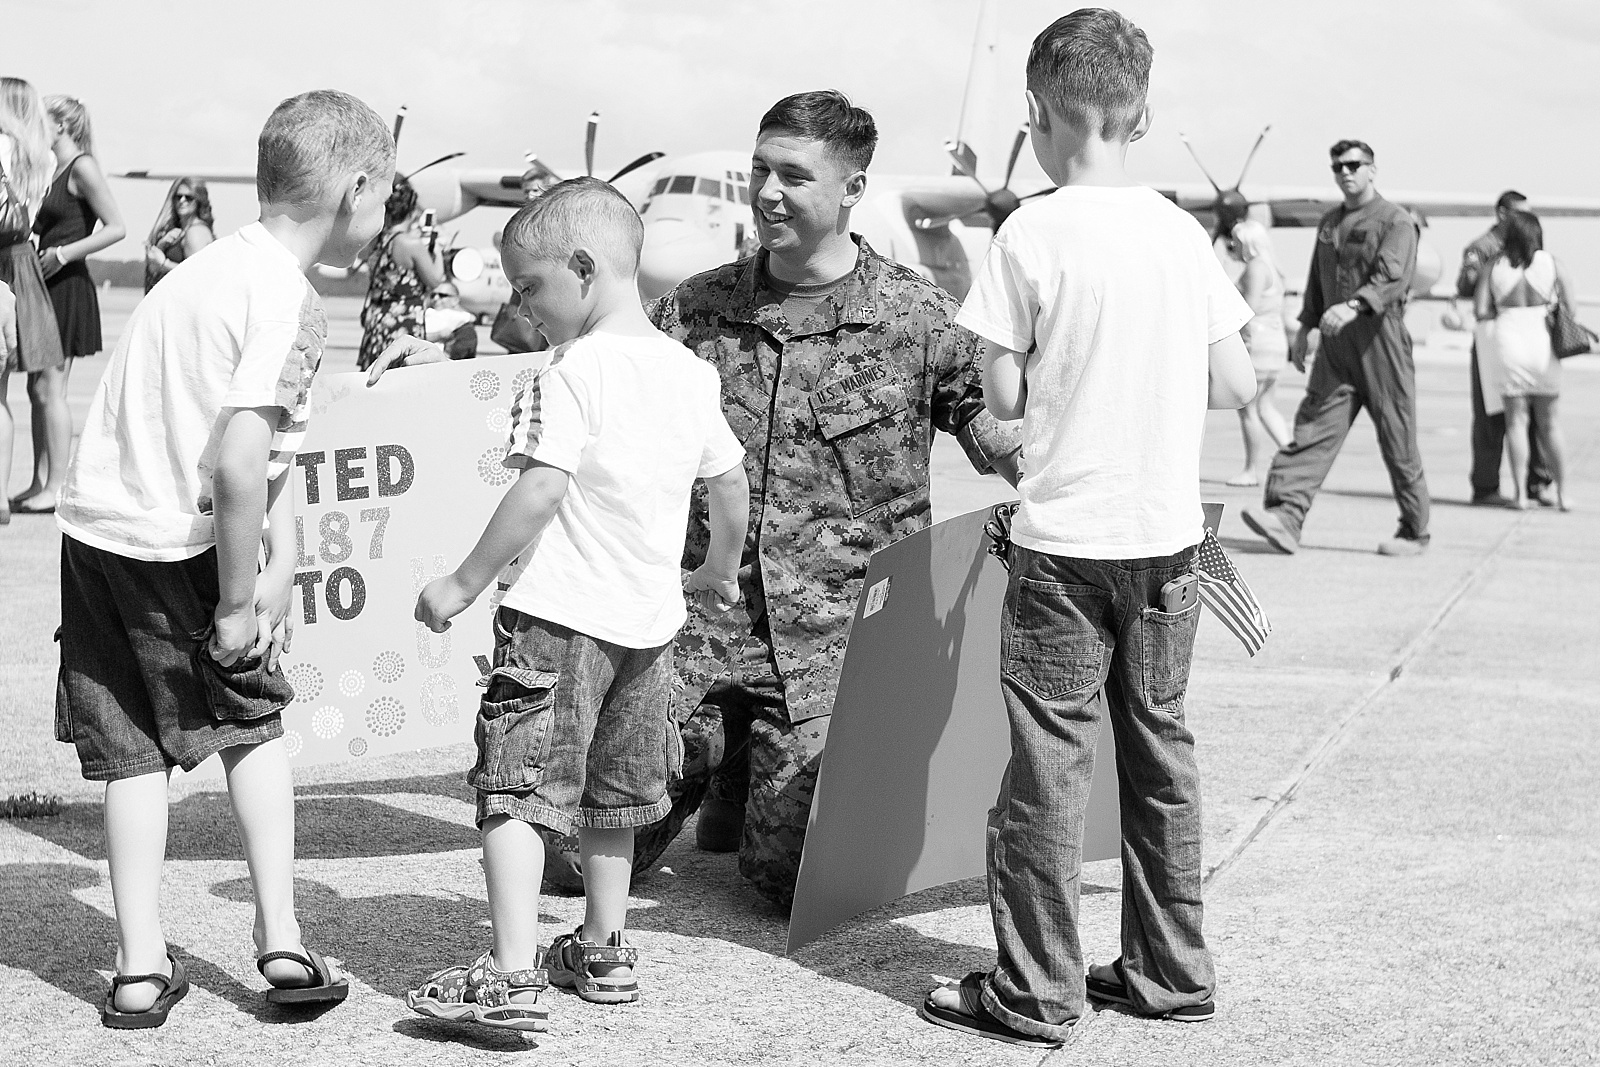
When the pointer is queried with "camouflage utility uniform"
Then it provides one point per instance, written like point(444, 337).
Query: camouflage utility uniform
point(837, 414)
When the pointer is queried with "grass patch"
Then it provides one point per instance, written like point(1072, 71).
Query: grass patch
point(30, 806)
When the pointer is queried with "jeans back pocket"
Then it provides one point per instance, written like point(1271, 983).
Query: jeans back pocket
point(1053, 645)
point(242, 690)
point(513, 729)
point(1168, 653)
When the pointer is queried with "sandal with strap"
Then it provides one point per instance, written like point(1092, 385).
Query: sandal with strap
point(478, 993)
point(572, 961)
point(971, 1017)
point(173, 989)
point(324, 987)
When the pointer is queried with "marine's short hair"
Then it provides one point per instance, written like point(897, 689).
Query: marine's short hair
point(1508, 200)
point(1341, 147)
point(1093, 66)
point(1524, 236)
point(826, 115)
point(313, 139)
point(579, 212)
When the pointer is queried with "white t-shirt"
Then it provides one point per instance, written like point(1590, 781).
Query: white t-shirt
point(634, 420)
point(234, 326)
point(1120, 292)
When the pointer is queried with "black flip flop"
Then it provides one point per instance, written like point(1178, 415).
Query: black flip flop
point(22, 508)
point(973, 1018)
point(325, 990)
point(1117, 993)
point(173, 989)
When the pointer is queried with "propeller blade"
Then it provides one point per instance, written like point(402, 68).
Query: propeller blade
point(1251, 157)
point(647, 158)
point(441, 159)
point(1016, 150)
point(399, 121)
point(966, 163)
point(1202, 166)
point(588, 143)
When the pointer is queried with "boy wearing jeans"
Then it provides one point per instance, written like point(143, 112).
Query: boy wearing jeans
point(169, 636)
point(1110, 327)
point(574, 732)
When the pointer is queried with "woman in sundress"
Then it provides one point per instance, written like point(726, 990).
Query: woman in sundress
point(404, 272)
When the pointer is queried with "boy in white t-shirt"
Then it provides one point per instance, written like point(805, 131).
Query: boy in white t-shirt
point(169, 636)
point(575, 730)
point(1110, 326)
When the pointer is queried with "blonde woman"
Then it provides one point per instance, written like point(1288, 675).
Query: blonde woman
point(77, 218)
point(1262, 287)
point(27, 166)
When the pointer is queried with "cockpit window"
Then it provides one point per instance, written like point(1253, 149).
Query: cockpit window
point(744, 194)
point(683, 183)
point(709, 187)
point(660, 186)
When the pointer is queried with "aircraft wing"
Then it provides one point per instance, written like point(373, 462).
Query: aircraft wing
point(226, 177)
point(1305, 205)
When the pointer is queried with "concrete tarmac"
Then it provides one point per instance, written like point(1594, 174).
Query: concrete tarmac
point(1401, 828)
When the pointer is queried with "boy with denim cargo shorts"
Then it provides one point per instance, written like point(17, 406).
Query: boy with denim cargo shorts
point(1111, 327)
point(575, 731)
point(169, 635)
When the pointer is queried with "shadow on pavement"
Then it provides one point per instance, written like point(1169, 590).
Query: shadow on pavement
point(200, 827)
point(470, 1035)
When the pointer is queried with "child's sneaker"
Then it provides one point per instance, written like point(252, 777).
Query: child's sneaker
point(481, 994)
point(600, 974)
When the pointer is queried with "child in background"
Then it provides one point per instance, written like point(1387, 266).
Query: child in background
point(1110, 327)
point(169, 636)
point(575, 731)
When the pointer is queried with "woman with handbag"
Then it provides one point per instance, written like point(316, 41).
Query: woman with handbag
point(27, 166)
point(404, 271)
point(1516, 359)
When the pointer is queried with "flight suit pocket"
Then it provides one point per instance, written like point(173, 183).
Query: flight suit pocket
point(243, 690)
point(1168, 653)
point(513, 730)
point(867, 430)
point(1053, 646)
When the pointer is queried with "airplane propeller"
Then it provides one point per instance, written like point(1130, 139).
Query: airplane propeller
point(399, 121)
point(998, 203)
point(588, 143)
point(1231, 205)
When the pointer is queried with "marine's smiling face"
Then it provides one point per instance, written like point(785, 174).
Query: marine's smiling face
point(799, 188)
point(1353, 172)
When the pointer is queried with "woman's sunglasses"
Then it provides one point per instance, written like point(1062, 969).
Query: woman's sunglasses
point(190, 197)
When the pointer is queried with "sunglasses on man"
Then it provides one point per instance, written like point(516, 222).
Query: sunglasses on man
point(1348, 166)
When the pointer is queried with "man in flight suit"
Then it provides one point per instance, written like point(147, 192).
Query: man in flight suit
point(1489, 431)
point(1356, 296)
point(837, 365)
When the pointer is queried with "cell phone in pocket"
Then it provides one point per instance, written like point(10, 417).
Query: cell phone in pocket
point(1179, 593)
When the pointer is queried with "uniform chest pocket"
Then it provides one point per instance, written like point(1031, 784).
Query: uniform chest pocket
point(1355, 249)
point(872, 434)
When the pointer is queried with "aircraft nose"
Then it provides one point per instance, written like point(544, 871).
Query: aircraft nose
point(674, 250)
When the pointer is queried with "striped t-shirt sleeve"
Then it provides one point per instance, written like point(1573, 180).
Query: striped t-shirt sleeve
point(549, 421)
point(276, 367)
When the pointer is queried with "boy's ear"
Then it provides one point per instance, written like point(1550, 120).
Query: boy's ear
point(583, 264)
point(1038, 116)
point(1142, 127)
point(356, 188)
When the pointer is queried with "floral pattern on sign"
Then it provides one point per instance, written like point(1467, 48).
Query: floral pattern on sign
point(328, 722)
point(305, 680)
point(520, 382)
point(358, 746)
point(499, 420)
point(351, 683)
point(293, 742)
point(484, 385)
point(492, 468)
point(385, 716)
point(388, 667)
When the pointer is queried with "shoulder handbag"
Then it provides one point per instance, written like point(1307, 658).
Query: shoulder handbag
point(15, 225)
point(1568, 336)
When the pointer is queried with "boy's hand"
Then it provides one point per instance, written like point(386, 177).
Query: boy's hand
point(236, 633)
point(405, 351)
point(716, 593)
point(273, 594)
point(441, 600)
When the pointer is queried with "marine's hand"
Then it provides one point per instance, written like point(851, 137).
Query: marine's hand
point(440, 601)
point(716, 593)
point(405, 351)
point(1336, 318)
point(234, 634)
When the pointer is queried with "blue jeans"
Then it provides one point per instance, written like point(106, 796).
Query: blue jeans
point(1070, 628)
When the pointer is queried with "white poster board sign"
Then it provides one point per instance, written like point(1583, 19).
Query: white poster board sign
point(392, 488)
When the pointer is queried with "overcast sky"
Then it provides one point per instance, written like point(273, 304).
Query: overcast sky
point(1455, 95)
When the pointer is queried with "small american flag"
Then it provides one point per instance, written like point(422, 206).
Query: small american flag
point(1228, 597)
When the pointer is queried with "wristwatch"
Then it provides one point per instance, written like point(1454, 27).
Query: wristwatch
point(1355, 305)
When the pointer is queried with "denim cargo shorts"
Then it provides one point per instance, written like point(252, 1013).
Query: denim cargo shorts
point(574, 731)
point(137, 691)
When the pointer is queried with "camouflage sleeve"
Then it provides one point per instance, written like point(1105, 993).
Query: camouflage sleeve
point(958, 400)
point(665, 313)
